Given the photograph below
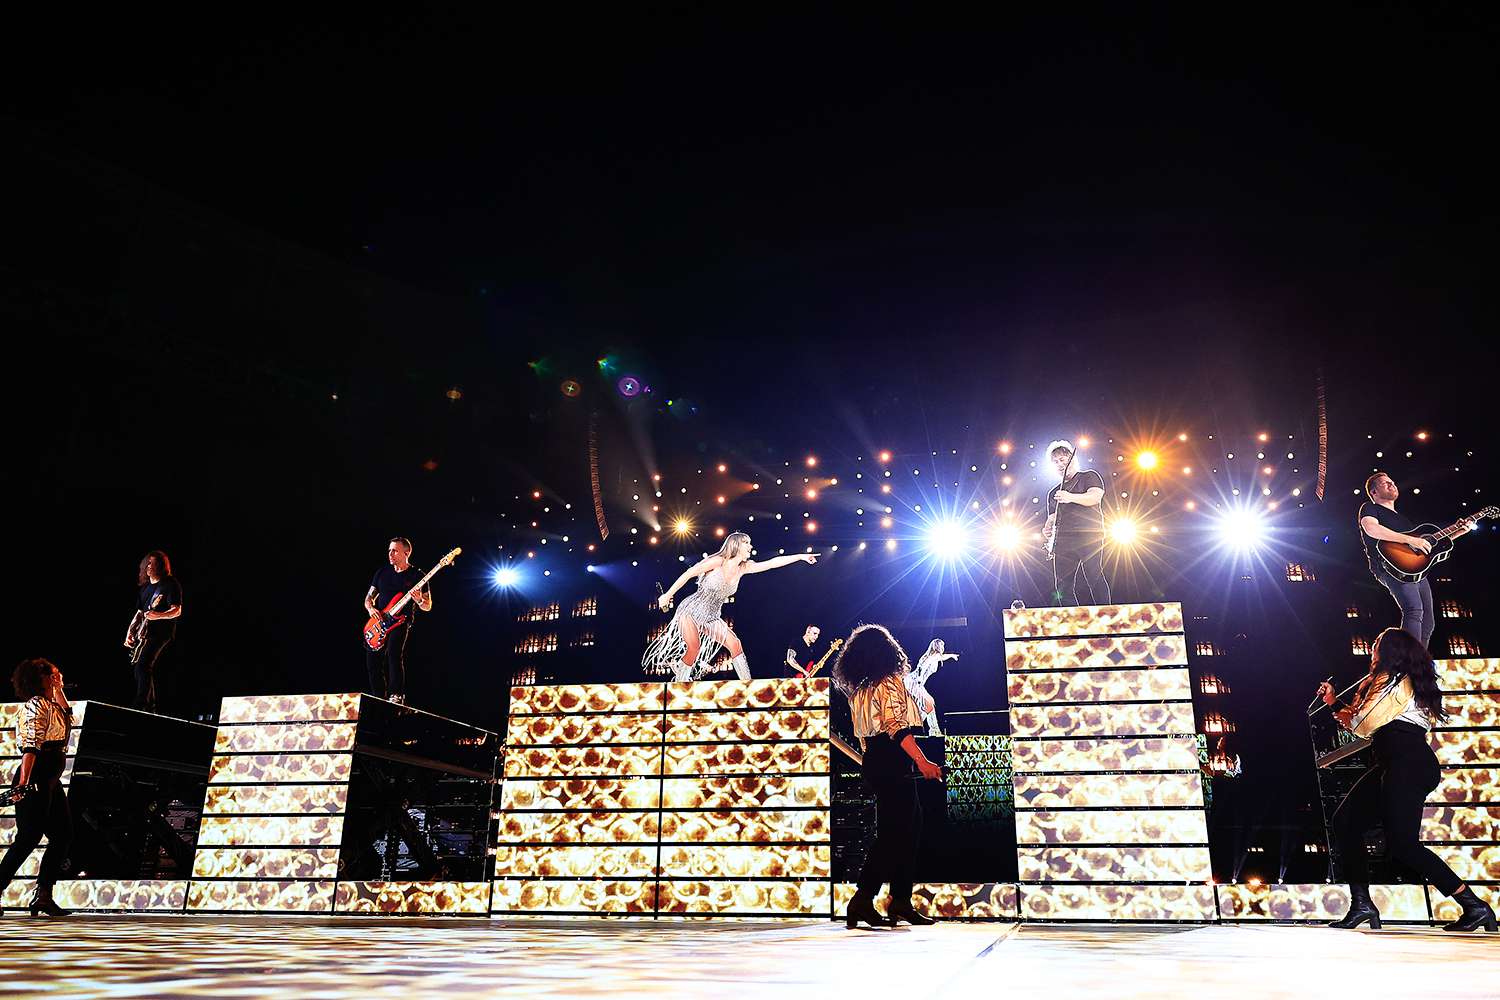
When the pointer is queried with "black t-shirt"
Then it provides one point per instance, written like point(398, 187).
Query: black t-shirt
point(1388, 519)
point(806, 656)
point(163, 595)
point(388, 583)
point(1077, 524)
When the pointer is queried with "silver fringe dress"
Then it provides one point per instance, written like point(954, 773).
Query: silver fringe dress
point(704, 609)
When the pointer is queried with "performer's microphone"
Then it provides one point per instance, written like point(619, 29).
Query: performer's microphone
point(1318, 698)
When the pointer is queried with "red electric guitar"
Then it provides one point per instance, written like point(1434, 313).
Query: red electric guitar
point(379, 626)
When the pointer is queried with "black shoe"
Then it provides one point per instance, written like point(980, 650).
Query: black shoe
point(42, 903)
point(909, 914)
point(863, 908)
point(1477, 913)
point(1360, 910)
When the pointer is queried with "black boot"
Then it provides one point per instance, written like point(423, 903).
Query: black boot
point(862, 907)
point(905, 911)
point(43, 903)
point(1477, 913)
point(1360, 909)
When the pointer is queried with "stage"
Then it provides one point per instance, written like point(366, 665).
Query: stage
point(136, 955)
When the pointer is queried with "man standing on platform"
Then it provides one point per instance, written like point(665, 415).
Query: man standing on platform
point(1379, 522)
point(809, 640)
point(1075, 529)
point(387, 665)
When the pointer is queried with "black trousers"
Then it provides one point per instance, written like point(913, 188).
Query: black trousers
point(147, 678)
point(898, 820)
point(1391, 793)
point(43, 812)
point(387, 665)
point(1069, 563)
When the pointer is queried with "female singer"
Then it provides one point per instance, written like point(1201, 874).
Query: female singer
point(871, 671)
point(916, 682)
point(1395, 705)
point(42, 806)
point(688, 646)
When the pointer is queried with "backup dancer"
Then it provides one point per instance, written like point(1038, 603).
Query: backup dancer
point(698, 631)
point(916, 683)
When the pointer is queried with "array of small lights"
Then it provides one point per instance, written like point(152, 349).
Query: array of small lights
point(953, 506)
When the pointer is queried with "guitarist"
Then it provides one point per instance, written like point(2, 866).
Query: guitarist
point(1075, 529)
point(387, 666)
point(809, 640)
point(160, 605)
point(1379, 522)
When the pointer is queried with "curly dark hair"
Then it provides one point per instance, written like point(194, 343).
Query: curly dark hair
point(30, 678)
point(869, 656)
point(163, 567)
point(1399, 654)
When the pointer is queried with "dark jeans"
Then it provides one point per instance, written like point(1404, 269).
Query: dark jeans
point(387, 665)
point(1071, 562)
point(898, 820)
point(147, 680)
point(1415, 602)
point(43, 812)
point(1392, 794)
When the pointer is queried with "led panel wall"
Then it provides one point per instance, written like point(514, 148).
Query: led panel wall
point(1461, 821)
point(20, 890)
point(1109, 805)
point(662, 800)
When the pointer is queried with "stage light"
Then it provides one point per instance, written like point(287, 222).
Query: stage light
point(1187, 470)
point(885, 456)
point(812, 526)
point(1083, 442)
point(1007, 536)
point(1146, 460)
point(885, 487)
point(947, 539)
point(507, 576)
point(812, 494)
point(536, 494)
point(652, 539)
point(1242, 529)
point(1421, 435)
point(890, 545)
point(1005, 447)
point(861, 546)
point(721, 500)
point(454, 393)
point(718, 532)
point(723, 467)
point(812, 461)
point(886, 522)
point(589, 568)
point(1263, 436)
point(1122, 531)
point(1182, 437)
point(682, 526)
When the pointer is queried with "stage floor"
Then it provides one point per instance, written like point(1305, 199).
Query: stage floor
point(89, 955)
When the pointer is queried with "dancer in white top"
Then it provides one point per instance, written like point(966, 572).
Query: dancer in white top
point(698, 631)
point(916, 683)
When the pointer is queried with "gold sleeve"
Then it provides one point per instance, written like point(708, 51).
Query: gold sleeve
point(31, 731)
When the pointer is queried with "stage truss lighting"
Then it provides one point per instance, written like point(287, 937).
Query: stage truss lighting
point(1146, 460)
point(1243, 529)
point(507, 576)
point(947, 539)
point(681, 527)
point(1122, 531)
point(1006, 537)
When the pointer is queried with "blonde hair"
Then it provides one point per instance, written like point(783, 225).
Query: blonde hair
point(731, 544)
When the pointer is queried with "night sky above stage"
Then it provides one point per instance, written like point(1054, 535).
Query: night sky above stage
point(292, 288)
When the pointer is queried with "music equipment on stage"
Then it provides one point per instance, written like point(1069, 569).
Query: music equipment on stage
point(659, 594)
point(1332, 757)
point(1409, 565)
point(846, 749)
point(379, 626)
point(135, 637)
point(15, 792)
point(832, 648)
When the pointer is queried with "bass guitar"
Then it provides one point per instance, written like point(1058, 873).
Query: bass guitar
point(833, 647)
point(1410, 565)
point(379, 626)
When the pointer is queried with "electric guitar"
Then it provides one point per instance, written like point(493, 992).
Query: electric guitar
point(832, 648)
point(1409, 565)
point(379, 626)
point(135, 637)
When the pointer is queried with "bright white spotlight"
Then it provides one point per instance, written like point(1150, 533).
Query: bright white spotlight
point(947, 539)
point(1007, 536)
point(507, 576)
point(1122, 531)
point(1242, 529)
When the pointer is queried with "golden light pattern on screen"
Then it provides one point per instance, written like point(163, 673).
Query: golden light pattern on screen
point(121, 894)
point(1445, 909)
point(283, 738)
point(275, 799)
point(1469, 674)
point(727, 787)
point(385, 898)
point(290, 708)
point(1098, 653)
point(1066, 901)
point(1172, 718)
point(542, 762)
point(1463, 823)
point(1124, 826)
point(1065, 791)
point(1467, 784)
point(261, 896)
point(1170, 753)
point(291, 768)
point(1316, 902)
point(260, 831)
point(1166, 683)
point(1471, 710)
point(266, 862)
point(1478, 862)
point(1114, 864)
point(1466, 746)
point(944, 900)
point(1108, 619)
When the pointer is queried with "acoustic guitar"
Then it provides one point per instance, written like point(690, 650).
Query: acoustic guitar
point(379, 626)
point(1410, 565)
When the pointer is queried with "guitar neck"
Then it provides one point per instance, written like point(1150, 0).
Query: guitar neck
point(1461, 526)
point(406, 597)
